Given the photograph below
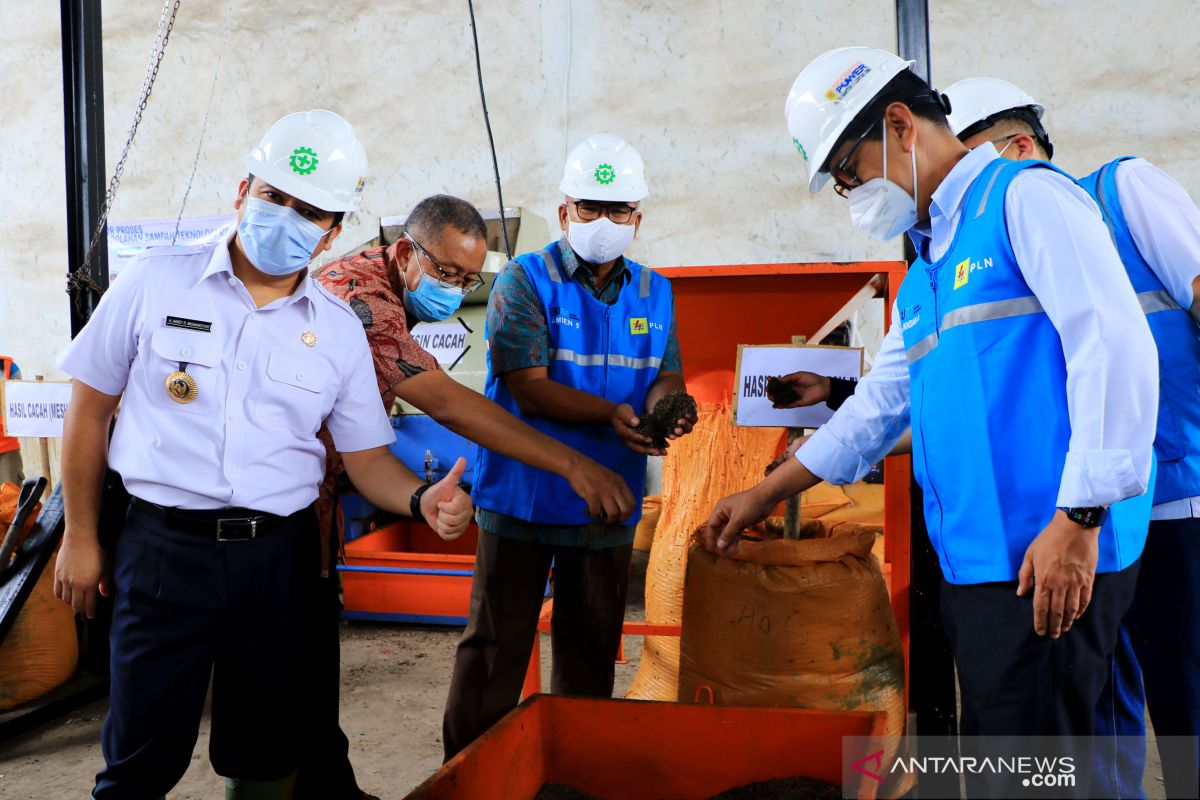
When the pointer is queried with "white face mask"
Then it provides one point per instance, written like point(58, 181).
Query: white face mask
point(880, 208)
point(599, 241)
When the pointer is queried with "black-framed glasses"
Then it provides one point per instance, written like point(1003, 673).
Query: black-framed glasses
point(590, 210)
point(844, 179)
point(447, 280)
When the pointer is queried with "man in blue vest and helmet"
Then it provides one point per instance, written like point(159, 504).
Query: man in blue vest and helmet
point(1156, 228)
point(581, 343)
point(1020, 357)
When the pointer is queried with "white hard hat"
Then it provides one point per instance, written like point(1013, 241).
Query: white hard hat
point(975, 99)
point(314, 156)
point(828, 94)
point(604, 167)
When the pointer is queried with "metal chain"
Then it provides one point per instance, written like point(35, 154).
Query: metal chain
point(166, 22)
point(204, 125)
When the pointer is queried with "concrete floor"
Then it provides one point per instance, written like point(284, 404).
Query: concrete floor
point(394, 683)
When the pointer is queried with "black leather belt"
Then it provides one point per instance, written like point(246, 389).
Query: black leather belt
point(221, 524)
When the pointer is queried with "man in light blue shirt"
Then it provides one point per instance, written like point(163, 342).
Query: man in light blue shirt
point(226, 359)
point(1020, 357)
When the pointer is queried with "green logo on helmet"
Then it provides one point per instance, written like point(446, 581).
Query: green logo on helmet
point(800, 148)
point(605, 174)
point(303, 161)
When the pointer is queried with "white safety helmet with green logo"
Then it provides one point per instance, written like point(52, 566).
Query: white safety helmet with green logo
point(975, 99)
point(314, 156)
point(606, 168)
point(826, 97)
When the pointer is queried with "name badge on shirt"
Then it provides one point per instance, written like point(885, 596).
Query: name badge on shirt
point(189, 324)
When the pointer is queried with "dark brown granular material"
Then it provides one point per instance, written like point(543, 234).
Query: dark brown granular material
point(798, 788)
point(781, 393)
point(557, 791)
point(667, 412)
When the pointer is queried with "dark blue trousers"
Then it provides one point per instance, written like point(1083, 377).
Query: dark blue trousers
point(186, 608)
point(1157, 663)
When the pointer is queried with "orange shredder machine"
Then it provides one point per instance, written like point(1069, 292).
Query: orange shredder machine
point(401, 571)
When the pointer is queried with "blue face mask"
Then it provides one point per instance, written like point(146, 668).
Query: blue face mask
point(277, 240)
point(430, 302)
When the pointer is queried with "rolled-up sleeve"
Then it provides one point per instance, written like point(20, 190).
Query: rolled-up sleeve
point(1066, 256)
point(869, 423)
point(103, 352)
point(358, 420)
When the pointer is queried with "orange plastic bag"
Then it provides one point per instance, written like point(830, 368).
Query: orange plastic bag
point(716, 459)
point(41, 650)
point(800, 623)
point(643, 536)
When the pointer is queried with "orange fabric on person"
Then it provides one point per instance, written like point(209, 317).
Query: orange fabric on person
point(8, 444)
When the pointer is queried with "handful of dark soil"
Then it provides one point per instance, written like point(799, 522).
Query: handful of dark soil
point(798, 788)
point(780, 393)
point(667, 412)
point(557, 791)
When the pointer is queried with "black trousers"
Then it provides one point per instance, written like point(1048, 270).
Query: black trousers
point(506, 598)
point(187, 607)
point(1014, 683)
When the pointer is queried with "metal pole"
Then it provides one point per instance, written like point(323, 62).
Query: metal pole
point(931, 692)
point(83, 112)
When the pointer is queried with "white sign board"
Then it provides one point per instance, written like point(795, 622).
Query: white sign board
point(757, 364)
point(127, 239)
point(445, 341)
point(35, 408)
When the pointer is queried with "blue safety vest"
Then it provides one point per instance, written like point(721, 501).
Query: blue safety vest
point(1177, 444)
point(614, 352)
point(989, 400)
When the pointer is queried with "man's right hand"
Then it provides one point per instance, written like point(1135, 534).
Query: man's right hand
point(81, 572)
point(625, 423)
point(811, 387)
point(608, 498)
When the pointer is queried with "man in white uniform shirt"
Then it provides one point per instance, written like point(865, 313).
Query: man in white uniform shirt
point(228, 358)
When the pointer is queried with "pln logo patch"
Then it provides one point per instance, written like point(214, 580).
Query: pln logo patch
point(845, 83)
point(964, 268)
point(638, 325)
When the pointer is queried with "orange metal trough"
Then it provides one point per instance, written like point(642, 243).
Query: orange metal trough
point(640, 750)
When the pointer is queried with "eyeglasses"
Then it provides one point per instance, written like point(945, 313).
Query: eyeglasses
point(842, 169)
point(447, 280)
point(589, 211)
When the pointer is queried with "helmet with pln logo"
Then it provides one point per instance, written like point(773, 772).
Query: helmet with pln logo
point(826, 97)
point(604, 167)
point(314, 156)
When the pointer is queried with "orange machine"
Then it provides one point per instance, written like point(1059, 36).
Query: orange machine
point(638, 750)
point(403, 572)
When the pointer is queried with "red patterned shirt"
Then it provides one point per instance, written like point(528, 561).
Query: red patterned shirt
point(371, 283)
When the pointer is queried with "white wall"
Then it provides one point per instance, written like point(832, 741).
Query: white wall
point(698, 86)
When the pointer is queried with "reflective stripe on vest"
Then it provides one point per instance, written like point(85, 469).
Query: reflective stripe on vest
point(598, 360)
point(967, 315)
point(1159, 300)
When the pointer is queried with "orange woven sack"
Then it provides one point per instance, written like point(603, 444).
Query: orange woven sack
point(643, 536)
point(716, 459)
point(797, 623)
point(40, 651)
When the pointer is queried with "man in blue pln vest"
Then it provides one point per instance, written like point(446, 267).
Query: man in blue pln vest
point(1020, 358)
point(581, 343)
point(1156, 228)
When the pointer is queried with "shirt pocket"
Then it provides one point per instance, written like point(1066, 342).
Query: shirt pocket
point(295, 395)
point(199, 354)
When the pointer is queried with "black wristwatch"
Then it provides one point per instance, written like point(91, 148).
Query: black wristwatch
point(414, 504)
point(1090, 517)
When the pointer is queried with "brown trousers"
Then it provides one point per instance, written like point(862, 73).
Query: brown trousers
point(506, 598)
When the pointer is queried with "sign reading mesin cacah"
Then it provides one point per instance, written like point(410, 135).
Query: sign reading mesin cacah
point(35, 408)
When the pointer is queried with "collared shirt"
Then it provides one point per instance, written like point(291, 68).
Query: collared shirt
point(249, 438)
point(519, 338)
point(370, 282)
point(1064, 253)
point(1165, 225)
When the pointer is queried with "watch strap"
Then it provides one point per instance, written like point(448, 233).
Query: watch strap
point(414, 503)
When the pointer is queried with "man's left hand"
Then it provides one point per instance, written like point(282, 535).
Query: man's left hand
point(1060, 566)
point(446, 507)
